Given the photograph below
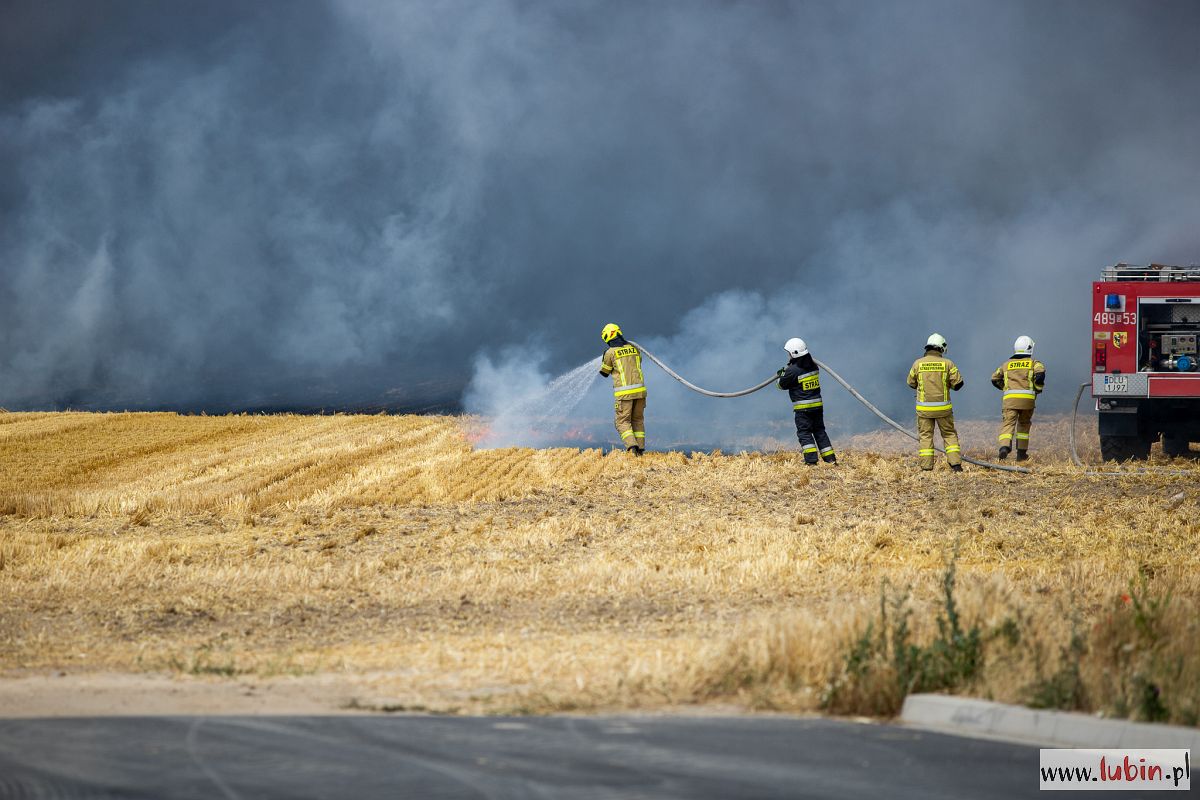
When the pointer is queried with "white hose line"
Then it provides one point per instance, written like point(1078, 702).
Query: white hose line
point(1074, 415)
point(1094, 471)
point(696, 388)
point(844, 384)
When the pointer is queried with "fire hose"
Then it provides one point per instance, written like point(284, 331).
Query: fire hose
point(854, 392)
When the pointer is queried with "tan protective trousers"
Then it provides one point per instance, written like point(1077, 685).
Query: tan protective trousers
point(631, 422)
point(1016, 423)
point(949, 437)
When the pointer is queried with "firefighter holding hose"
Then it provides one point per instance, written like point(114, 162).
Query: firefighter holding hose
point(802, 380)
point(934, 376)
point(1022, 378)
point(623, 362)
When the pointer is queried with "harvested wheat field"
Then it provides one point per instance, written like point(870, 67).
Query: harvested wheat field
point(387, 562)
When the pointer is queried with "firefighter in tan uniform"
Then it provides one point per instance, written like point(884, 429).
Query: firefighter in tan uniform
point(623, 362)
point(934, 376)
point(1022, 378)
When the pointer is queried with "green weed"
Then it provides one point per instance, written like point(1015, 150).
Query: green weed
point(884, 663)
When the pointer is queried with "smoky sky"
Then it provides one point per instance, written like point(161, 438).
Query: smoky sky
point(231, 205)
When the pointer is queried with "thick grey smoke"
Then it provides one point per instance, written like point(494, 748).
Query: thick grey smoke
point(340, 204)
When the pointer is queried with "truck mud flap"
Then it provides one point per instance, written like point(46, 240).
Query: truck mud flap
point(1120, 423)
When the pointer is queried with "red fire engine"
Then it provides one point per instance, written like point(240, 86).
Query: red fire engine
point(1145, 323)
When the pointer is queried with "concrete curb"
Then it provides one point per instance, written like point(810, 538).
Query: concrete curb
point(964, 716)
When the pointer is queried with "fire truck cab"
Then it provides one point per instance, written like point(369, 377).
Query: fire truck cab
point(1145, 361)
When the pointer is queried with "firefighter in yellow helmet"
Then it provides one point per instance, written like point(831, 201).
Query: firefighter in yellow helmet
point(623, 362)
point(1022, 378)
point(934, 376)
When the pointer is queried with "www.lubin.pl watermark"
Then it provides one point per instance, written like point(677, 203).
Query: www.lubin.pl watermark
point(1093, 770)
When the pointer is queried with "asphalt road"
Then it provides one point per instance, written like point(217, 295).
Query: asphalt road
point(366, 757)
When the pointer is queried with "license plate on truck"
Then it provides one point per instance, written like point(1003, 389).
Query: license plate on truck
point(1116, 384)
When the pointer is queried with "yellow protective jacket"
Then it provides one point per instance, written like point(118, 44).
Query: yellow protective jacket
point(624, 362)
point(1022, 378)
point(934, 376)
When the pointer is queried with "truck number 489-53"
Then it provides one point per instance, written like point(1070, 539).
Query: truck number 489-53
point(1115, 318)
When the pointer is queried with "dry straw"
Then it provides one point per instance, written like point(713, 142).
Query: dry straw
point(388, 550)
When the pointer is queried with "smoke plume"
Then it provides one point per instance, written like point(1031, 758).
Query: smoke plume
point(355, 204)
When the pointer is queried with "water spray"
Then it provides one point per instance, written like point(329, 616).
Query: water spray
point(539, 412)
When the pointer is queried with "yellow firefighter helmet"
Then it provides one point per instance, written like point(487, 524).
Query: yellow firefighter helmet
point(610, 332)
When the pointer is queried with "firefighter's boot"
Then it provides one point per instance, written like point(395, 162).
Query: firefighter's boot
point(956, 468)
point(1022, 455)
point(1004, 451)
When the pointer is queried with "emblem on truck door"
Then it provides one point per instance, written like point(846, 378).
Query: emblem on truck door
point(1119, 338)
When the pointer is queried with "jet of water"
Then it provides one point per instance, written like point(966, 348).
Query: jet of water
point(540, 415)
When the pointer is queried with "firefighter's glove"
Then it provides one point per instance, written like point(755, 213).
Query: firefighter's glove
point(779, 372)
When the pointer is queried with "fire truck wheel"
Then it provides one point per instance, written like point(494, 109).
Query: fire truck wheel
point(1174, 446)
point(1124, 448)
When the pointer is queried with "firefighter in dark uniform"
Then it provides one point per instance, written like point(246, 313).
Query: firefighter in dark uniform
point(802, 380)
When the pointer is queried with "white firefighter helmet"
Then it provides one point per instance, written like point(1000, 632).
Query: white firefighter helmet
point(1023, 344)
point(796, 347)
point(936, 340)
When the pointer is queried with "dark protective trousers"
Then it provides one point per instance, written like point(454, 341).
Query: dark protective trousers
point(810, 430)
